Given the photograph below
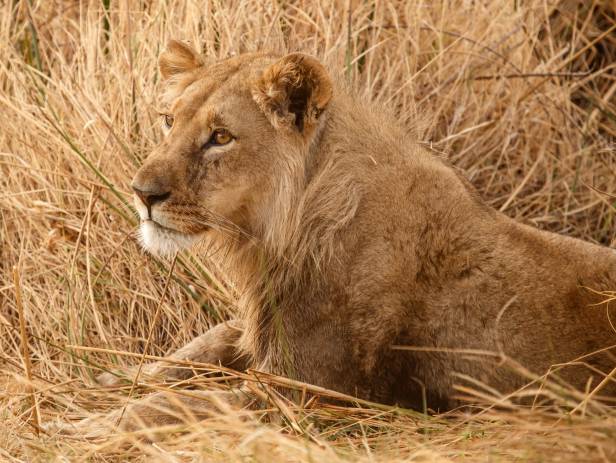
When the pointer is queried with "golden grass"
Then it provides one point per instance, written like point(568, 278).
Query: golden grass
point(521, 95)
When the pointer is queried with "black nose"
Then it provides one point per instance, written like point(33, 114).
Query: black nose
point(149, 198)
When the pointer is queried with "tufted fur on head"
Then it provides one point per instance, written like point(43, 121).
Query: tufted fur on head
point(178, 58)
point(179, 66)
point(294, 91)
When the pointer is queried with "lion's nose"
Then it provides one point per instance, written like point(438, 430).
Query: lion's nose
point(151, 197)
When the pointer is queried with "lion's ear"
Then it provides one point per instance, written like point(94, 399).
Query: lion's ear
point(294, 91)
point(178, 58)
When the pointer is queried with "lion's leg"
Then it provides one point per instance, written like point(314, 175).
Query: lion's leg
point(172, 407)
point(217, 346)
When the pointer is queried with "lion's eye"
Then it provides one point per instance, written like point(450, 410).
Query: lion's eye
point(221, 137)
point(168, 120)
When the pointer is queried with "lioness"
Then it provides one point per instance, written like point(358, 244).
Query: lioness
point(347, 240)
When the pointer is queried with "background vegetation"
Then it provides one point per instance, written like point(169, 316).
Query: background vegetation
point(521, 95)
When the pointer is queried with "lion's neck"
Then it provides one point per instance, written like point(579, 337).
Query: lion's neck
point(293, 248)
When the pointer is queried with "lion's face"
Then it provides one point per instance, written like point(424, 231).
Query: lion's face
point(232, 129)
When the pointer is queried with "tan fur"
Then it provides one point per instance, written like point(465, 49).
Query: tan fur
point(346, 238)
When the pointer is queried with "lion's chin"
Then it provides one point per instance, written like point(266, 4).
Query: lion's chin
point(163, 241)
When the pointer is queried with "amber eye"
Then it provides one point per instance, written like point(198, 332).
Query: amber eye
point(168, 120)
point(221, 137)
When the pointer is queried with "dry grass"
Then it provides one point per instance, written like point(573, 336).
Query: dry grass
point(521, 95)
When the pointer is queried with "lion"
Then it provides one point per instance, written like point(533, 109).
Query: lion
point(364, 263)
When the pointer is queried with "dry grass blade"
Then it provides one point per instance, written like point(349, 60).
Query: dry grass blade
point(149, 339)
point(25, 349)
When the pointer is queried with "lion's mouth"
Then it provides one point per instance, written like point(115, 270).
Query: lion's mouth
point(163, 239)
point(171, 229)
point(160, 226)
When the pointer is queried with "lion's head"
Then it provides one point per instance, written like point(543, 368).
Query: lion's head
point(237, 133)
